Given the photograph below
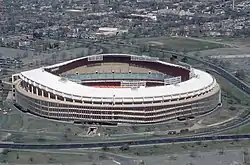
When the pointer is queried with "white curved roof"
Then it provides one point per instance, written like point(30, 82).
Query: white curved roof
point(48, 81)
point(76, 59)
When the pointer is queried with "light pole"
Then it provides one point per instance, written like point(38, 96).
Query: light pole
point(2, 93)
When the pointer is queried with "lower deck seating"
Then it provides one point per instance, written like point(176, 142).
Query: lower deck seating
point(103, 86)
point(118, 76)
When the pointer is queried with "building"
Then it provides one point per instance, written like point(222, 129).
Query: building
point(110, 31)
point(116, 88)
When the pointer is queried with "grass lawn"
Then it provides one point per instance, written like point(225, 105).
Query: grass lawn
point(238, 95)
point(230, 40)
point(28, 157)
point(180, 148)
point(179, 44)
point(240, 130)
point(14, 122)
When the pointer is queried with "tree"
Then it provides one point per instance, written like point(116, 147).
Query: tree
point(245, 152)
point(221, 152)
point(240, 74)
point(193, 154)
point(172, 59)
point(105, 148)
point(124, 147)
point(25, 54)
point(173, 157)
point(41, 139)
point(222, 64)
point(184, 59)
point(31, 159)
point(142, 162)
point(68, 129)
point(5, 152)
point(215, 60)
point(232, 108)
point(199, 143)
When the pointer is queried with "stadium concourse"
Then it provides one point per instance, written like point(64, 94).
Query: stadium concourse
point(116, 88)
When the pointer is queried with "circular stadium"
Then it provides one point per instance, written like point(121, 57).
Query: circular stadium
point(116, 88)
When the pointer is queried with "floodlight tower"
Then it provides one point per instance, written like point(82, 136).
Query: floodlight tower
point(1, 16)
point(1, 7)
point(2, 10)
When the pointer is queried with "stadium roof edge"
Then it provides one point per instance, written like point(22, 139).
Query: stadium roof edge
point(51, 81)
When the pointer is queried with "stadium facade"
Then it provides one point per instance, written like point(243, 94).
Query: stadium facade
point(116, 88)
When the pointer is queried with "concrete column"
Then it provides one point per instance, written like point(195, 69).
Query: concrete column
point(32, 89)
point(42, 92)
point(220, 96)
point(37, 91)
point(114, 100)
point(48, 95)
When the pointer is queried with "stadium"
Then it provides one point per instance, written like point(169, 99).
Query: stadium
point(116, 88)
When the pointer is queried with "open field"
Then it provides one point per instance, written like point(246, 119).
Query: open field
point(180, 148)
point(203, 158)
point(13, 122)
point(179, 44)
point(232, 91)
point(33, 157)
point(245, 129)
point(237, 64)
point(236, 41)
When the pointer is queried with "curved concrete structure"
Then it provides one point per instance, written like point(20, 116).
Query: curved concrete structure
point(43, 92)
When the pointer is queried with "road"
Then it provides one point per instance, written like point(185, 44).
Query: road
point(121, 143)
point(231, 56)
point(211, 41)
